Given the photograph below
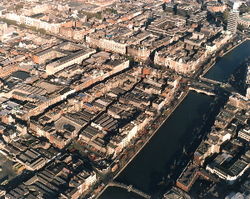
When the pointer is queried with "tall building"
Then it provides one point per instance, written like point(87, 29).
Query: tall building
point(233, 17)
point(232, 21)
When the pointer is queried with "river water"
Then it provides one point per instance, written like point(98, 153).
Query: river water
point(117, 193)
point(153, 162)
point(222, 70)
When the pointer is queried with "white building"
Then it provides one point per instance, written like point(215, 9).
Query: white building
point(108, 45)
point(231, 174)
point(29, 21)
point(67, 61)
point(245, 134)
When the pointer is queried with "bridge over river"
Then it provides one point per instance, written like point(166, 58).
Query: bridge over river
point(208, 86)
point(129, 188)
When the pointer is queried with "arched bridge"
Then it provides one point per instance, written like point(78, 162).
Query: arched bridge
point(129, 188)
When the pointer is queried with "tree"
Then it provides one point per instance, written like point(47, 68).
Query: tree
point(111, 10)
point(241, 27)
point(244, 8)
point(18, 6)
point(225, 16)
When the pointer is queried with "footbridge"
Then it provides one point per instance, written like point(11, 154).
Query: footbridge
point(214, 83)
point(129, 188)
point(208, 86)
point(210, 81)
point(198, 90)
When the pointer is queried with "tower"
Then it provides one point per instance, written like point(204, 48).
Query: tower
point(233, 18)
point(232, 21)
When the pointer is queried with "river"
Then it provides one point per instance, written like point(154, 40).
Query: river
point(153, 162)
point(222, 70)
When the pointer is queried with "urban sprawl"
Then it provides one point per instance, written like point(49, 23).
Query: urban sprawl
point(85, 82)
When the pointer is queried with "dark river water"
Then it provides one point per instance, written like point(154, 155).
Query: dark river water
point(117, 193)
point(222, 70)
point(153, 162)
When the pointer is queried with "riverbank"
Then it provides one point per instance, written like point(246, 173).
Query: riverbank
point(167, 114)
point(152, 170)
point(211, 65)
point(231, 60)
point(155, 159)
